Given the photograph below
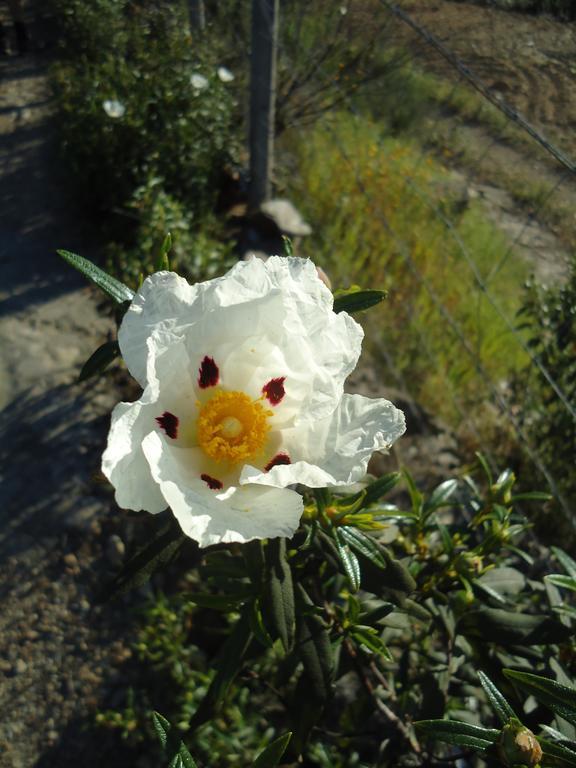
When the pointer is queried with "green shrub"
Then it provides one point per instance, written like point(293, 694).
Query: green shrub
point(137, 97)
point(451, 582)
point(199, 253)
point(548, 315)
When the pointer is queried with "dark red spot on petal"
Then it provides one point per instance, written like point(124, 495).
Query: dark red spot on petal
point(274, 390)
point(212, 482)
point(208, 373)
point(280, 458)
point(169, 423)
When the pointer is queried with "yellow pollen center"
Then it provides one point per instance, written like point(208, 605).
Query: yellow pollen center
point(231, 427)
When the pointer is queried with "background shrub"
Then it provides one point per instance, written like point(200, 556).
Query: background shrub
point(138, 97)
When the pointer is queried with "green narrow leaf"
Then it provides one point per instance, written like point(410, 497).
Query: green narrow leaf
point(487, 590)
point(560, 698)
point(499, 704)
point(278, 596)
point(306, 711)
point(114, 288)
point(531, 496)
point(486, 467)
point(416, 497)
point(412, 608)
point(558, 737)
point(253, 553)
point(394, 576)
point(364, 544)
point(288, 249)
point(556, 755)
point(228, 663)
point(370, 638)
point(228, 602)
point(508, 628)
point(173, 747)
point(163, 258)
point(565, 561)
point(352, 301)
point(460, 734)
point(314, 648)
point(273, 752)
point(440, 496)
point(503, 580)
point(447, 543)
point(349, 561)
point(257, 625)
point(380, 612)
point(559, 580)
point(149, 558)
point(100, 360)
point(397, 576)
point(374, 491)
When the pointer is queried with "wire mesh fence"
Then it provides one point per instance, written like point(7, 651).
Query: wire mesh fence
point(444, 180)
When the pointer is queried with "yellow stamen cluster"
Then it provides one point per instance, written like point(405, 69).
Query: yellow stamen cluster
point(232, 428)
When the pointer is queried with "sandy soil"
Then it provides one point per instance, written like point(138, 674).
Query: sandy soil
point(56, 544)
point(528, 60)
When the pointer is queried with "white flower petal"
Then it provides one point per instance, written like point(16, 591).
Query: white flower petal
point(225, 75)
point(166, 302)
point(114, 108)
point(124, 463)
point(199, 82)
point(237, 514)
point(336, 450)
point(266, 333)
point(163, 304)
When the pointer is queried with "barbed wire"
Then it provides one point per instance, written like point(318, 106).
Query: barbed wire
point(458, 333)
point(493, 303)
point(478, 84)
point(409, 180)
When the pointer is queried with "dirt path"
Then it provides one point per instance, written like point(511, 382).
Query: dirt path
point(56, 544)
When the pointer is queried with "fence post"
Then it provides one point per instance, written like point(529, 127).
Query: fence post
point(197, 15)
point(262, 99)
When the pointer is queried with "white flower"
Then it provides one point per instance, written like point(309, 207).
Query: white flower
point(198, 82)
point(243, 396)
point(114, 108)
point(225, 75)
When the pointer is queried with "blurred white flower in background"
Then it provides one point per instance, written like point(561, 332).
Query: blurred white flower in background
point(243, 380)
point(225, 75)
point(198, 82)
point(114, 108)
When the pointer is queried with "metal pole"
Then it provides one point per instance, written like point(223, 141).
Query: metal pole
point(197, 15)
point(265, 15)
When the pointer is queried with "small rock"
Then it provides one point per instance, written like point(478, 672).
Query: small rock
point(71, 561)
point(19, 667)
point(121, 654)
point(115, 550)
point(81, 518)
point(286, 217)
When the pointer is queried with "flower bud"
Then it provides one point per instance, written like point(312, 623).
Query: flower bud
point(517, 746)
